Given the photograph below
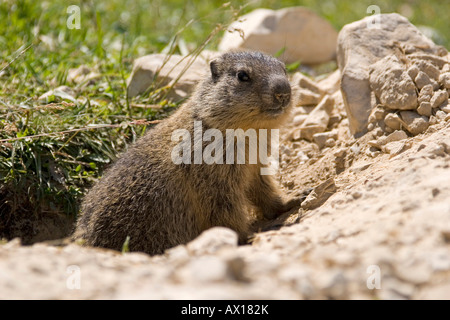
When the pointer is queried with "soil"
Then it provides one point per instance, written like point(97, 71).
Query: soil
point(375, 225)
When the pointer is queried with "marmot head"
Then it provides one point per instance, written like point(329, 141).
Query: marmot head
point(244, 90)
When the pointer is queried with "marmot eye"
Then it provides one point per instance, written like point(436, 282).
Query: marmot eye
point(243, 76)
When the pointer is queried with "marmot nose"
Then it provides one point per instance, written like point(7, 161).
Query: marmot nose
point(282, 91)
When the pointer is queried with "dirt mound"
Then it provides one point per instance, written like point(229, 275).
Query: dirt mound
point(379, 227)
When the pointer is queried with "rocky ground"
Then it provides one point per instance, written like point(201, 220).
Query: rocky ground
point(376, 224)
point(384, 233)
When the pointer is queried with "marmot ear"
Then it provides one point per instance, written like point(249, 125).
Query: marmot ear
point(215, 70)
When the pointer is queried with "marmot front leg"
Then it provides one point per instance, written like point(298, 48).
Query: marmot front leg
point(264, 195)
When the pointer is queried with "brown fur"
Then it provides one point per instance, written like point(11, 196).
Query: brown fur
point(159, 204)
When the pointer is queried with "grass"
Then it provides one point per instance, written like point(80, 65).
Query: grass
point(52, 150)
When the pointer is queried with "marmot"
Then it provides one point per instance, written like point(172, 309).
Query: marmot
point(160, 204)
